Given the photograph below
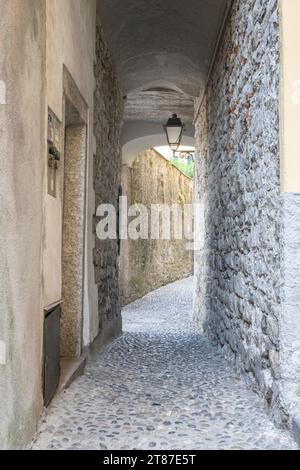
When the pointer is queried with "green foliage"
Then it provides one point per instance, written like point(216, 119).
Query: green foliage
point(181, 199)
point(186, 169)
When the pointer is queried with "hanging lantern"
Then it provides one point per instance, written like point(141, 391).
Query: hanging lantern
point(174, 129)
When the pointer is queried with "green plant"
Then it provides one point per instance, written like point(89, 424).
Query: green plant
point(181, 199)
point(186, 168)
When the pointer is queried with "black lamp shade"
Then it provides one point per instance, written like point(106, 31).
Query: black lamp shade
point(174, 129)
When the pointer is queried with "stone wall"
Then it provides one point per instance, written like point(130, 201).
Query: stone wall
point(147, 265)
point(238, 185)
point(107, 180)
point(289, 326)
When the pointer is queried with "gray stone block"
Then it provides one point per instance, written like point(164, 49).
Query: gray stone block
point(296, 426)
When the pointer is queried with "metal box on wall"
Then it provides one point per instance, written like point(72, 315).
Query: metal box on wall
point(51, 352)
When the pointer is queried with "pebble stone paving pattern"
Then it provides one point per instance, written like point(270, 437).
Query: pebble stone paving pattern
point(162, 386)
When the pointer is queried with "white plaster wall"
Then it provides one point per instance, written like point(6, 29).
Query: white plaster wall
point(71, 26)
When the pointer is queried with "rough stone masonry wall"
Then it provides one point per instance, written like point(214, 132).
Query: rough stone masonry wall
point(147, 265)
point(238, 170)
point(107, 179)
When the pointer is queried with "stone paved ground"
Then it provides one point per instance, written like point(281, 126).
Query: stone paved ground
point(160, 386)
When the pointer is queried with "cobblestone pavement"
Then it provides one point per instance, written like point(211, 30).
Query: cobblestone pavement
point(160, 386)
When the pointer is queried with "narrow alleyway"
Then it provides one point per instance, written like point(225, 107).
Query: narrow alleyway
point(160, 386)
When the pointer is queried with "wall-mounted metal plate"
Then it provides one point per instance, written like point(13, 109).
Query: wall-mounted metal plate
point(51, 352)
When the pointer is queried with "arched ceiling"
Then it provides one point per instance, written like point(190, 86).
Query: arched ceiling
point(139, 136)
point(163, 50)
point(162, 43)
point(148, 105)
point(136, 146)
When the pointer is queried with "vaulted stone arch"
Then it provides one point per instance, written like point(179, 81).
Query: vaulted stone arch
point(140, 136)
point(173, 41)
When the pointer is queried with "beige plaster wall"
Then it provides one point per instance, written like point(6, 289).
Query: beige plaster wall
point(146, 265)
point(289, 321)
point(22, 152)
point(37, 38)
point(71, 30)
point(290, 95)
